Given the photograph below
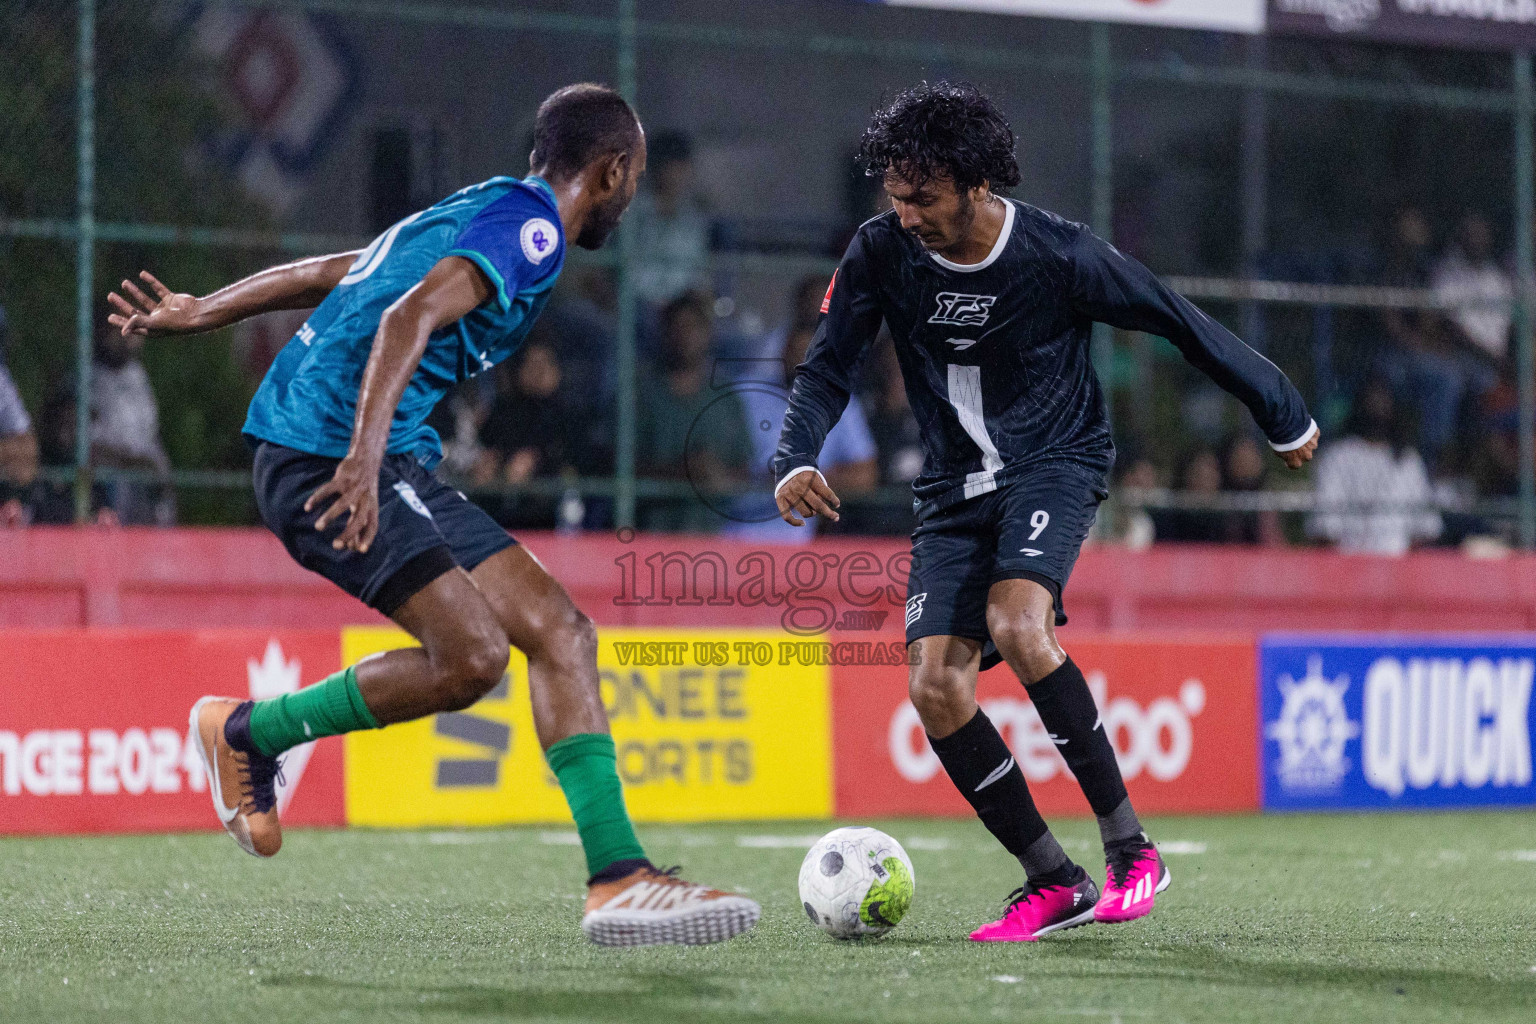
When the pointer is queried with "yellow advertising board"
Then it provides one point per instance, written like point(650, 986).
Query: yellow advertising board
point(705, 731)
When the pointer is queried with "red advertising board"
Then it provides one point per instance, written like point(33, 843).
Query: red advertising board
point(1180, 713)
point(93, 725)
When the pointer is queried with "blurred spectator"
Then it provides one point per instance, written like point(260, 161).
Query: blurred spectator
point(1373, 492)
point(1201, 476)
point(18, 445)
point(530, 431)
point(1426, 369)
point(125, 430)
point(1244, 467)
point(898, 442)
point(847, 458)
point(1470, 278)
point(457, 420)
point(1131, 525)
point(670, 227)
point(53, 504)
point(689, 430)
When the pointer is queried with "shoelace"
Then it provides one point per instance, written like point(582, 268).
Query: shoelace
point(1121, 859)
point(1023, 894)
point(257, 777)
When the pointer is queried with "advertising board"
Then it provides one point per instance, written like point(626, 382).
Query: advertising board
point(710, 725)
point(93, 726)
point(1396, 722)
point(1180, 713)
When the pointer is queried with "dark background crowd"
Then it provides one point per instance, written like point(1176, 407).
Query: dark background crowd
point(1417, 398)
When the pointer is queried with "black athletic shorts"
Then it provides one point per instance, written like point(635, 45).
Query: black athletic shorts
point(1031, 528)
point(425, 527)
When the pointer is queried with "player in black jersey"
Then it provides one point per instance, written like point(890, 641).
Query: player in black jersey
point(991, 303)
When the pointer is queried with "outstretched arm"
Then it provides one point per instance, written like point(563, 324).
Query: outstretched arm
point(820, 394)
point(452, 288)
point(1112, 288)
point(300, 285)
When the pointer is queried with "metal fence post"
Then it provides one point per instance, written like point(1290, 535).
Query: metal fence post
point(1525, 182)
point(1103, 178)
point(85, 249)
point(625, 362)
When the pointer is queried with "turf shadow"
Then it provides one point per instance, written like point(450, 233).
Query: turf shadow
point(1462, 990)
point(651, 995)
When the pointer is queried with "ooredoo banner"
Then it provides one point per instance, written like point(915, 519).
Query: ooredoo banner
point(1223, 15)
point(93, 726)
point(1397, 722)
point(1180, 713)
point(710, 725)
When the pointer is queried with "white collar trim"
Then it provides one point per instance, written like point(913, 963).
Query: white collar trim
point(997, 247)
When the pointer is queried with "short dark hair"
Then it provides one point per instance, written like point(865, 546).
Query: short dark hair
point(579, 124)
point(941, 130)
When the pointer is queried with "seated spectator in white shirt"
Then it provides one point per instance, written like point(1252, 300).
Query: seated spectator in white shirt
point(125, 431)
point(18, 446)
point(1373, 492)
point(848, 459)
point(1470, 279)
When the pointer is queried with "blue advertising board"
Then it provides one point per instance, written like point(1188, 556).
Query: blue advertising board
point(1395, 721)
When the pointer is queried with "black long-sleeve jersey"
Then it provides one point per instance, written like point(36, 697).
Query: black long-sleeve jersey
point(995, 354)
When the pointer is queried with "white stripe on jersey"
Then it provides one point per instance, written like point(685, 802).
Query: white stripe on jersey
point(965, 396)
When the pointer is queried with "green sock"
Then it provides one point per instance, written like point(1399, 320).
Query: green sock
point(588, 770)
point(329, 708)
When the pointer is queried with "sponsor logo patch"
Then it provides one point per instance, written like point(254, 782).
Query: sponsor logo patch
point(538, 238)
point(962, 310)
point(410, 497)
point(915, 607)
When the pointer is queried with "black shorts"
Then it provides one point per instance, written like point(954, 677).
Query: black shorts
point(425, 527)
point(1031, 528)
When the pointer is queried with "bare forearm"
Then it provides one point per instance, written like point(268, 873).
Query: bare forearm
point(397, 350)
point(300, 285)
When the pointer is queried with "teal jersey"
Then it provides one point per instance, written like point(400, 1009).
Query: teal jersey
point(509, 228)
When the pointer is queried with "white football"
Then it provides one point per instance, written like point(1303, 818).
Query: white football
point(856, 882)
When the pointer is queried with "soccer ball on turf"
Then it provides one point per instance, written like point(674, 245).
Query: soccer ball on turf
point(856, 882)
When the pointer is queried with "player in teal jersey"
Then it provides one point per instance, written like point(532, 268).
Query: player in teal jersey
point(343, 476)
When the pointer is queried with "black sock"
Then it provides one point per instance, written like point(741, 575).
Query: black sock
point(982, 767)
point(1069, 714)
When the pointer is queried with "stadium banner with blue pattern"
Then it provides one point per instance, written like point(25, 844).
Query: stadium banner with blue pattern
point(1221, 15)
point(1389, 721)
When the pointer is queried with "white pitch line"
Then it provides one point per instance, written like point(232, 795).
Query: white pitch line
point(559, 838)
point(777, 842)
point(1179, 847)
point(927, 843)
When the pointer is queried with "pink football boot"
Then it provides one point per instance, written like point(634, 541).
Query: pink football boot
point(1135, 875)
point(1034, 913)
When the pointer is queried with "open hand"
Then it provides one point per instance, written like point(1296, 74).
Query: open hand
point(167, 313)
point(355, 490)
point(807, 495)
point(1297, 457)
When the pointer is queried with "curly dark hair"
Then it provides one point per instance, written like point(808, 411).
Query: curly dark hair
point(941, 130)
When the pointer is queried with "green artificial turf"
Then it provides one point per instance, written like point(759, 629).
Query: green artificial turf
point(1312, 919)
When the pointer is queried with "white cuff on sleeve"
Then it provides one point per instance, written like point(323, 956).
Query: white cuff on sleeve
point(1306, 436)
point(794, 473)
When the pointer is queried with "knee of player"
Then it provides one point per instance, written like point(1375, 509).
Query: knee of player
point(475, 667)
point(1020, 638)
point(936, 690)
point(569, 639)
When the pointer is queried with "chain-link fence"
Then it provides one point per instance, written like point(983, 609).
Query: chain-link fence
point(1359, 213)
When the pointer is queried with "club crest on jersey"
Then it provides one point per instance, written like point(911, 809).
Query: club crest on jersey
point(538, 238)
point(963, 310)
